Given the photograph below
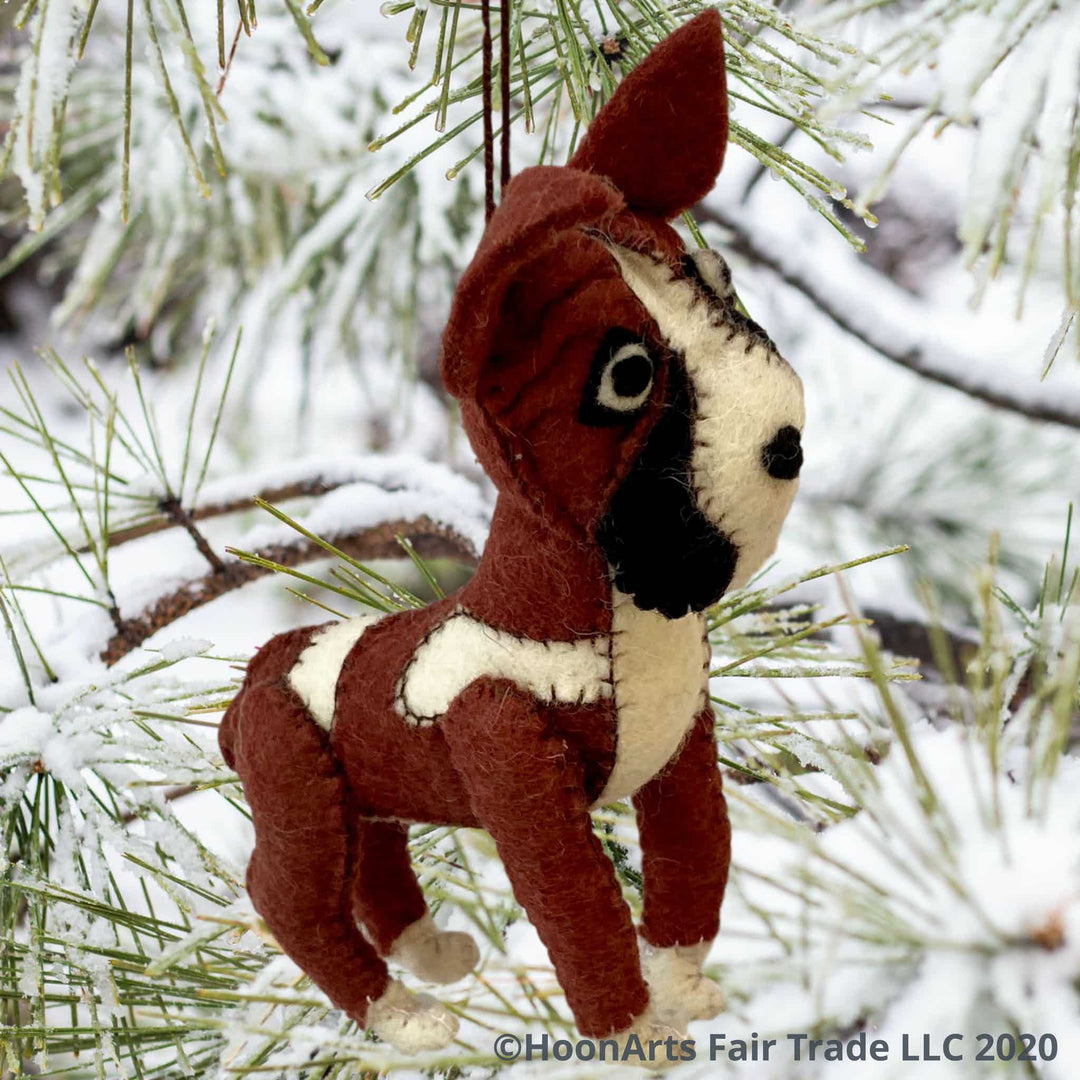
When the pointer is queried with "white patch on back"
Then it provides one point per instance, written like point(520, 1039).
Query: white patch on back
point(315, 674)
point(462, 649)
point(744, 392)
point(660, 674)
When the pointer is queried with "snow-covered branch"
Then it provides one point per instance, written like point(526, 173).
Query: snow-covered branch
point(429, 539)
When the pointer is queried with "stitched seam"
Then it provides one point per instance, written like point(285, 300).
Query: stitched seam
point(418, 720)
point(399, 692)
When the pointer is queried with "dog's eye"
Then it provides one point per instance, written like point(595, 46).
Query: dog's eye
point(621, 379)
point(626, 379)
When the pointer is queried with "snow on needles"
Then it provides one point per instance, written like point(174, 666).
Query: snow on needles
point(951, 903)
point(40, 98)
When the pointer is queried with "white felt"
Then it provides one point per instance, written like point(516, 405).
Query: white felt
point(606, 393)
point(441, 956)
point(745, 393)
point(714, 271)
point(678, 991)
point(648, 1026)
point(314, 676)
point(463, 649)
point(659, 671)
point(411, 1022)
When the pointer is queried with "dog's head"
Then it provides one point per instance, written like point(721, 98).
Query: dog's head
point(605, 373)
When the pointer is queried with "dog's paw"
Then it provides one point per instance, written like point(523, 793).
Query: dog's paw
point(411, 1022)
point(650, 1029)
point(680, 992)
point(434, 955)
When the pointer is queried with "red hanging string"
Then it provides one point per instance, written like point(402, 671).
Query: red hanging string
point(489, 135)
point(504, 87)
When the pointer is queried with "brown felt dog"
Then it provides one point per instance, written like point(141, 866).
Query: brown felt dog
point(644, 438)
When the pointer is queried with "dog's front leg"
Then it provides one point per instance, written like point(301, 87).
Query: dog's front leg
point(685, 853)
point(527, 788)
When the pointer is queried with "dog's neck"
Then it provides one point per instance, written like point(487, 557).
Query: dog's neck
point(539, 579)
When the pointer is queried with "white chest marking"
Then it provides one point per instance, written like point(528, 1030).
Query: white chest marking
point(660, 673)
point(744, 393)
point(463, 649)
point(314, 676)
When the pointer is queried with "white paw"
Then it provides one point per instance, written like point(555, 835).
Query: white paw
point(411, 1022)
point(678, 989)
point(651, 1028)
point(434, 955)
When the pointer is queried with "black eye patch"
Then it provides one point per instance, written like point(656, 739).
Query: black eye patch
point(619, 381)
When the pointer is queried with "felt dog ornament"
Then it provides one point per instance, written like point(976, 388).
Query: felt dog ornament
point(644, 439)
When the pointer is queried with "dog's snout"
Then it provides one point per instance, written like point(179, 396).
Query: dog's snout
point(783, 457)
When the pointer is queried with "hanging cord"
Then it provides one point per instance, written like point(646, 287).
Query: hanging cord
point(504, 90)
point(504, 94)
point(489, 135)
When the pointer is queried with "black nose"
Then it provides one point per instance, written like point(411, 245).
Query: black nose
point(782, 457)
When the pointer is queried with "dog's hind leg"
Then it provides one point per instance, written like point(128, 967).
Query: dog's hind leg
point(388, 901)
point(300, 874)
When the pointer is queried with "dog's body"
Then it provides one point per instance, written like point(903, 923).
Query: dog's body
point(644, 437)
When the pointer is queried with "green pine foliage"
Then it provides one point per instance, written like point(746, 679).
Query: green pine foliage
point(232, 205)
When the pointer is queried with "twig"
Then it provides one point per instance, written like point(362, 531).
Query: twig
point(429, 539)
point(296, 490)
point(914, 359)
point(177, 515)
point(171, 795)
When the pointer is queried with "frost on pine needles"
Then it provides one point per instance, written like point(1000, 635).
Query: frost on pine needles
point(1012, 70)
point(34, 138)
point(950, 902)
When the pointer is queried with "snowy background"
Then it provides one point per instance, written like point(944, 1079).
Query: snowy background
point(906, 852)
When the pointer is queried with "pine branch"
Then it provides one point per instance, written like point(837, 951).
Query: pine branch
point(429, 539)
point(181, 791)
point(317, 485)
point(899, 894)
point(178, 516)
point(324, 252)
point(1011, 72)
point(922, 640)
point(573, 53)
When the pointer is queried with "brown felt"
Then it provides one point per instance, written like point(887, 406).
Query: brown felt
point(527, 789)
point(395, 769)
point(386, 894)
point(541, 204)
point(403, 771)
point(300, 873)
point(527, 321)
point(539, 582)
point(661, 138)
point(685, 843)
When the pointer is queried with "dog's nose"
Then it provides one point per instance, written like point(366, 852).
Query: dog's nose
point(782, 457)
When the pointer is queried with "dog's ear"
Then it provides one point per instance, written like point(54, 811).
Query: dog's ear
point(540, 204)
point(661, 138)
